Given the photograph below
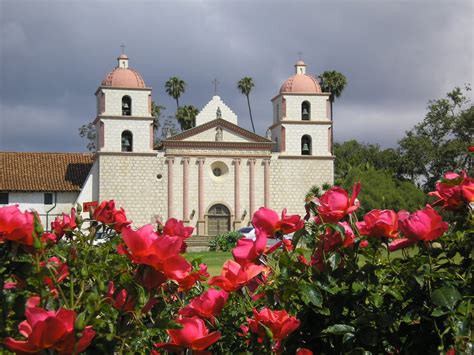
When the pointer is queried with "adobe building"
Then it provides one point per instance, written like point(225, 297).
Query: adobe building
point(213, 176)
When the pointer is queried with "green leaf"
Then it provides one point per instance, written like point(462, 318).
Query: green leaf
point(311, 295)
point(446, 296)
point(339, 329)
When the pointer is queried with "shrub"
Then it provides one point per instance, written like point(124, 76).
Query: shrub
point(224, 242)
point(388, 283)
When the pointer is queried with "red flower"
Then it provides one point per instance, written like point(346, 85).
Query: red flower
point(119, 300)
point(303, 351)
point(67, 224)
point(208, 305)
point(193, 335)
point(266, 221)
point(89, 206)
point(60, 271)
point(423, 225)
point(333, 240)
point(234, 275)
point(379, 223)
point(176, 228)
point(49, 330)
point(247, 250)
point(146, 247)
point(16, 226)
point(454, 190)
point(280, 323)
point(149, 277)
point(335, 204)
point(107, 214)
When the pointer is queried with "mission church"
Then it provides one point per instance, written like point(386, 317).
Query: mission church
point(213, 176)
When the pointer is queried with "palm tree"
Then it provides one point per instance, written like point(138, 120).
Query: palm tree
point(186, 116)
point(175, 87)
point(245, 85)
point(333, 82)
point(156, 112)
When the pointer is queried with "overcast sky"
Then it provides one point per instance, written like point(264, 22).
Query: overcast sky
point(397, 55)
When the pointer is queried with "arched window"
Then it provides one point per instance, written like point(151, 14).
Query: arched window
point(126, 106)
point(305, 110)
point(127, 141)
point(306, 145)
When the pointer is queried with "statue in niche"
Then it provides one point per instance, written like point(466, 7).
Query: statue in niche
point(269, 134)
point(218, 134)
point(218, 113)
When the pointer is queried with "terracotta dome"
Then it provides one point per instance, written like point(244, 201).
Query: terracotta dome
point(301, 82)
point(124, 78)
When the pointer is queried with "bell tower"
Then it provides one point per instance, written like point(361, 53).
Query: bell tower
point(124, 122)
point(301, 117)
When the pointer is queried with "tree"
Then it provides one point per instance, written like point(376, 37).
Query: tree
point(186, 117)
point(156, 112)
point(245, 85)
point(88, 131)
point(440, 142)
point(379, 190)
point(175, 87)
point(352, 154)
point(333, 82)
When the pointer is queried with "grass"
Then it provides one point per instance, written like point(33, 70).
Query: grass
point(213, 259)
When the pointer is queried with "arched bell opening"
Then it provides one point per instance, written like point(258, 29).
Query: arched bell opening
point(306, 148)
point(126, 106)
point(305, 111)
point(127, 141)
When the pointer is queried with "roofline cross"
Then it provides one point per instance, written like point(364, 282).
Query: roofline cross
point(300, 55)
point(215, 82)
point(123, 48)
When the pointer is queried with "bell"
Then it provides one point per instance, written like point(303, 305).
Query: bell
point(305, 149)
point(125, 106)
point(305, 111)
point(126, 142)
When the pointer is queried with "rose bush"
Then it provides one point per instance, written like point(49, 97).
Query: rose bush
point(389, 283)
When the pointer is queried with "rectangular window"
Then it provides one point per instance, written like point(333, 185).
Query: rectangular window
point(3, 198)
point(48, 198)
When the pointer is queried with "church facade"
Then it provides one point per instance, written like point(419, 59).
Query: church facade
point(215, 175)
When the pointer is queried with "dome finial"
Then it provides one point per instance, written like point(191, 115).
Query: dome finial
point(300, 67)
point(122, 59)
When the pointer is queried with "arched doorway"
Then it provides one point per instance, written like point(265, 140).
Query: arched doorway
point(218, 220)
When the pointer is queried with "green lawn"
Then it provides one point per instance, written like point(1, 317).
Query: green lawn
point(213, 259)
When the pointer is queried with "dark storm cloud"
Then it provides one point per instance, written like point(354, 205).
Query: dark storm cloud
point(396, 54)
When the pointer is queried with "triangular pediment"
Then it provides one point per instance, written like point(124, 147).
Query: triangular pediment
point(207, 132)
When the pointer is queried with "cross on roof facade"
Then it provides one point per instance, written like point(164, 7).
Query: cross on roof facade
point(215, 82)
point(123, 48)
point(300, 55)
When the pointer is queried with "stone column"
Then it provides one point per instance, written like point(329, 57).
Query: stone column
point(237, 215)
point(185, 162)
point(266, 182)
point(170, 162)
point(251, 163)
point(201, 221)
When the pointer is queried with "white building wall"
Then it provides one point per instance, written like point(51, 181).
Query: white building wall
point(277, 109)
point(113, 102)
point(319, 138)
point(113, 128)
point(34, 201)
point(208, 113)
point(318, 107)
point(90, 188)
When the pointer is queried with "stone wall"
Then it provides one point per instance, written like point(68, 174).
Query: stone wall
point(132, 182)
point(291, 179)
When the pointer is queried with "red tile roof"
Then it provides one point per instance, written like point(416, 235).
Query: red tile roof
point(43, 171)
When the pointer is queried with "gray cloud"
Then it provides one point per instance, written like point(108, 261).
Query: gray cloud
point(396, 54)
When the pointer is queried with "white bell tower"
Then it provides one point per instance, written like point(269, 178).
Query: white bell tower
point(301, 117)
point(124, 122)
